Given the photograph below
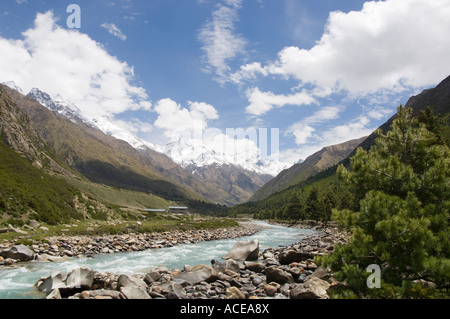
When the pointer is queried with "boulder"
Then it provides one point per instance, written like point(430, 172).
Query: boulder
point(242, 250)
point(313, 288)
point(54, 294)
point(54, 281)
point(198, 274)
point(278, 275)
point(234, 293)
point(229, 264)
point(77, 280)
point(168, 287)
point(82, 277)
point(255, 266)
point(152, 276)
point(133, 292)
point(291, 256)
point(19, 252)
point(130, 281)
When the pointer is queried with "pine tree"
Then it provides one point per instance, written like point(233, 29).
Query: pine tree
point(295, 209)
point(313, 209)
point(402, 223)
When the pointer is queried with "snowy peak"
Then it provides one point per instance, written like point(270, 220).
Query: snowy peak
point(13, 85)
point(59, 105)
point(110, 127)
point(186, 152)
point(194, 153)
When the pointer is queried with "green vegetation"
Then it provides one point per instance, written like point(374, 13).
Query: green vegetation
point(28, 191)
point(139, 224)
point(402, 222)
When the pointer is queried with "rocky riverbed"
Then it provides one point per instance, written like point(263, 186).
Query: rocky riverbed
point(58, 248)
point(280, 273)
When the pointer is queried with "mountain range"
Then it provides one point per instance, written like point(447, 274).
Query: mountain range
point(205, 175)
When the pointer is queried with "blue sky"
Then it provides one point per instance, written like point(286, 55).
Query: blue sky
point(323, 72)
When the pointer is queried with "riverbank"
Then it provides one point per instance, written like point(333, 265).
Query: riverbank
point(279, 273)
point(57, 248)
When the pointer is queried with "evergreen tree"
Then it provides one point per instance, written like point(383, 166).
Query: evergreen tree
point(402, 224)
point(313, 209)
point(326, 206)
point(295, 209)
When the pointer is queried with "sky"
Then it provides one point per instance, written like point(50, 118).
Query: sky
point(321, 72)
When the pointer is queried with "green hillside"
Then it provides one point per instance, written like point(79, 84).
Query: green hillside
point(28, 192)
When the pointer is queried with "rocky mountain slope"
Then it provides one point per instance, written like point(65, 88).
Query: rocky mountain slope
point(53, 141)
point(314, 164)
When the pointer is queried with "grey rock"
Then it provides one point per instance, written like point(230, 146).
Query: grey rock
point(254, 266)
point(198, 274)
point(152, 276)
point(54, 294)
point(229, 264)
point(167, 287)
point(242, 250)
point(314, 288)
point(278, 275)
point(77, 280)
point(291, 256)
point(128, 281)
point(19, 252)
point(54, 281)
point(133, 292)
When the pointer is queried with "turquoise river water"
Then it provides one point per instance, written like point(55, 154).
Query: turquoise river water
point(18, 282)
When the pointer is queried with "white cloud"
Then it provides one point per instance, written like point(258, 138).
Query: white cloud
point(114, 30)
point(67, 62)
point(311, 143)
point(220, 42)
point(388, 45)
point(304, 129)
point(263, 102)
point(176, 120)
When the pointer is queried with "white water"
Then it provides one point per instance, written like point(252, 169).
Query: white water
point(18, 283)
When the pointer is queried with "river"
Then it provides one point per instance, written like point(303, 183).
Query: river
point(18, 282)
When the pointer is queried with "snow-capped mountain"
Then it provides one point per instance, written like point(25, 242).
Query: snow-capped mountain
point(109, 127)
point(186, 152)
point(194, 153)
point(13, 85)
point(59, 105)
point(238, 173)
point(104, 123)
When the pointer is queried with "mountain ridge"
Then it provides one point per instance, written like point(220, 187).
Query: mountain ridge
point(316, 163)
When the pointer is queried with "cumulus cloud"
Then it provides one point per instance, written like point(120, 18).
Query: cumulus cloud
point(310, 140)
point(220, 41)
point(304, 129)
point(114, 30)
point(67, 62)
point(263, 102)
point(388, 45)
point(176, 120)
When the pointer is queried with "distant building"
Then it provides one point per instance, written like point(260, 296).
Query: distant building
point(154, 210)
point(178, 210)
